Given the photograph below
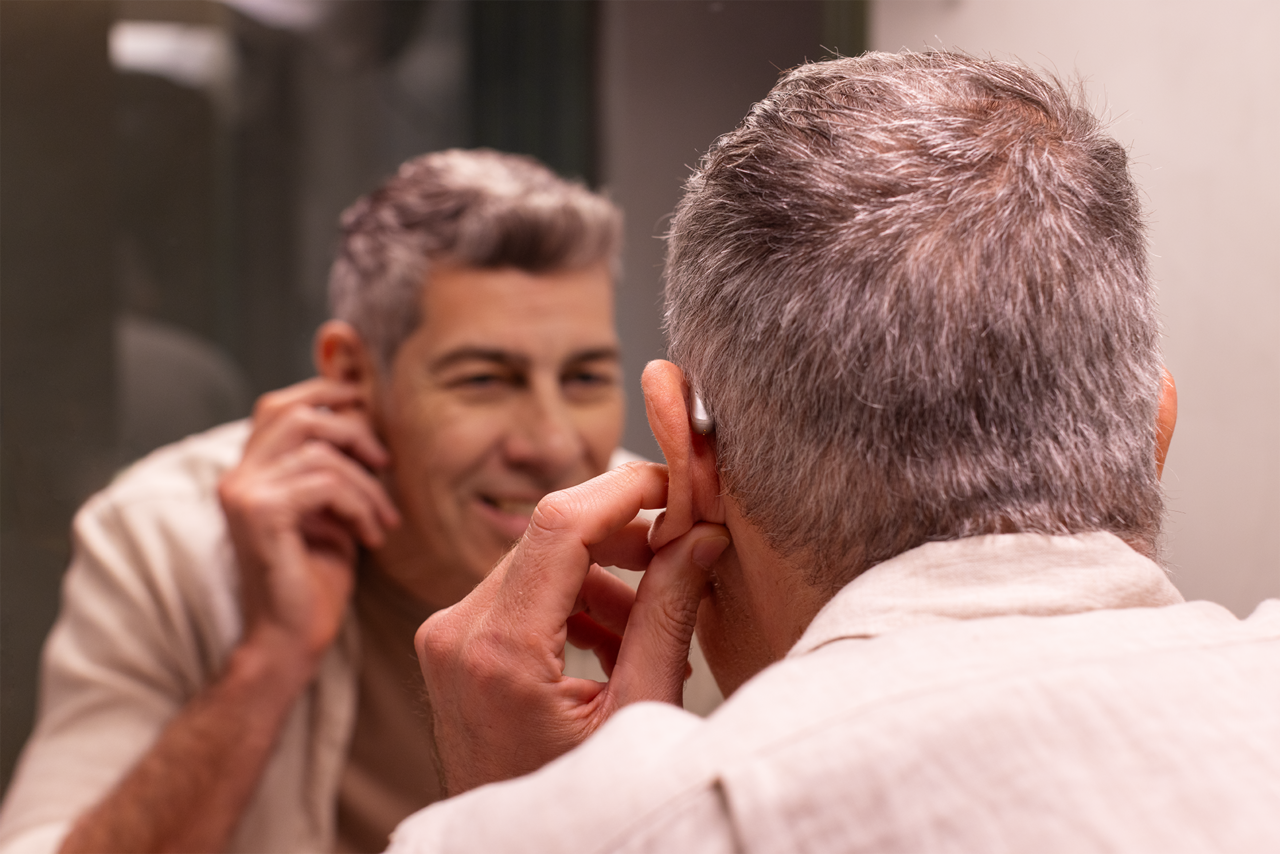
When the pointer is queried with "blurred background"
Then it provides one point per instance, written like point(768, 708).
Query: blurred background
point(171, 174)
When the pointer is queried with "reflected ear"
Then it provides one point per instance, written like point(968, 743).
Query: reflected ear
point(341, 354)
point(1165, 420)
point(693, 485)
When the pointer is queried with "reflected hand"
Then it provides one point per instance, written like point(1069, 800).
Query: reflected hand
point(298, 505)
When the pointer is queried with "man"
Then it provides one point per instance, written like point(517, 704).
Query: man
point(914, 440)
point(223, 676)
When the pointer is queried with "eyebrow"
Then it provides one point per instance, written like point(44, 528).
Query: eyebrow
point(515, 360)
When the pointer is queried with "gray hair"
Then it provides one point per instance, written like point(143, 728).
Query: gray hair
point(913, 292)
point(478, 208)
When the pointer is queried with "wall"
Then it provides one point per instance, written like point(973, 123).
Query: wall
point(673, 77)
point(58, 298)
point(1190, 89)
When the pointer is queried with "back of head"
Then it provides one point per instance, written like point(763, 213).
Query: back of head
point(481, 209)
point(913, 291)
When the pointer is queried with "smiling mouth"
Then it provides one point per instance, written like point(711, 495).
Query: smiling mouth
point(512, 506)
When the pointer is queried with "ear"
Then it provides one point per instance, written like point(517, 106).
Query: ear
point(341, 354)
point(1165, 419)
point(693, 484)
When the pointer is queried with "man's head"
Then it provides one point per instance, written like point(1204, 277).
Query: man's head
point(913, 292)
point(472, 294)
point(480, 209)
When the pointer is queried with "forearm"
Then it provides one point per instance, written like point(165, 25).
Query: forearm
point(189, 790)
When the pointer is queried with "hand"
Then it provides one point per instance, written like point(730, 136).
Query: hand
point(297, 506)
point(493, 663)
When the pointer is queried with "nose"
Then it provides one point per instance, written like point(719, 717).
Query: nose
point(545, 439)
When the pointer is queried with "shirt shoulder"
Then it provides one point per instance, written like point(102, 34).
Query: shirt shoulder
point(153, 568)
point(188, 468)
point(616, 788)
point(1018, 733)
point(148, 613)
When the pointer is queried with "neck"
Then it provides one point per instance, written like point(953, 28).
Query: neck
point(759, 606)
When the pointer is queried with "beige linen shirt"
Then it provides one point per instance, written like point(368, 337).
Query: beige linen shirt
point(1005, 693)
point(149, 615)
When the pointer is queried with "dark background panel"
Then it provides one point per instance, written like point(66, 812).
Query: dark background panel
point(57, 298)
point(532, 73)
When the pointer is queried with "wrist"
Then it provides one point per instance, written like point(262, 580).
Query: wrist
point(268, 671)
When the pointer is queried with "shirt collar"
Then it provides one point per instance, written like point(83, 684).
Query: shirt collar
point(991, 576)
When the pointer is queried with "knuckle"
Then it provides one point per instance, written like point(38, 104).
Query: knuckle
point(267, 404)
point(304, 418)
point(311, 452)
point(635, 471)
point(227, 487)
point(435, 637)
point(317, 453)
point(233, 493)
point(633, 468)
point(554, 512)
point(320, 484)
point(677, 619)
point(449, 642)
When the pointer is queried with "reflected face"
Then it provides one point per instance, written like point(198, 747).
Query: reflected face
point(509, 389)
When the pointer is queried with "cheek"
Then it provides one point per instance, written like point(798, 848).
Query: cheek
point(433, 453)
point(601, 431)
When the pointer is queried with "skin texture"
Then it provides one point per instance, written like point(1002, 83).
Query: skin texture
point(501, 706)
point(502, 648)
point(401, 464)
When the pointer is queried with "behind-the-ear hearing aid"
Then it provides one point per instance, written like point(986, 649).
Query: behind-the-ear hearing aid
point(701, 420)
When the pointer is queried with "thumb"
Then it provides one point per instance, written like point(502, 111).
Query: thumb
point(654, 656)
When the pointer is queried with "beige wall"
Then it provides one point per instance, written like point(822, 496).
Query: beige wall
point(1191, 89)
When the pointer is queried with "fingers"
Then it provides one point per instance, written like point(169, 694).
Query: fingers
point(493, 663)
point(317, 477)
point(315, 392)
point(606, 599)
point(311, 451)
point(340, 487)
point(627, 548)
point(586, 633)
point(600, 616)
point(348, 430)
point(326, 533)
point(347, 488)
point(539, 583)
point(653, 658)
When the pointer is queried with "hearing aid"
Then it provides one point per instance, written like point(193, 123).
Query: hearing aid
point(701, 420)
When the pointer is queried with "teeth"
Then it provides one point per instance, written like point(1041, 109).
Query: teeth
point(516, 508)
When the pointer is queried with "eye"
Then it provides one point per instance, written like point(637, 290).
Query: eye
point(586, 382)
point(478, 380)
point(482, 380)
point(589, 378)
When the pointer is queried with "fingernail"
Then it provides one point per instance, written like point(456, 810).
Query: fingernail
point(656, 526)
point(705, 552)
